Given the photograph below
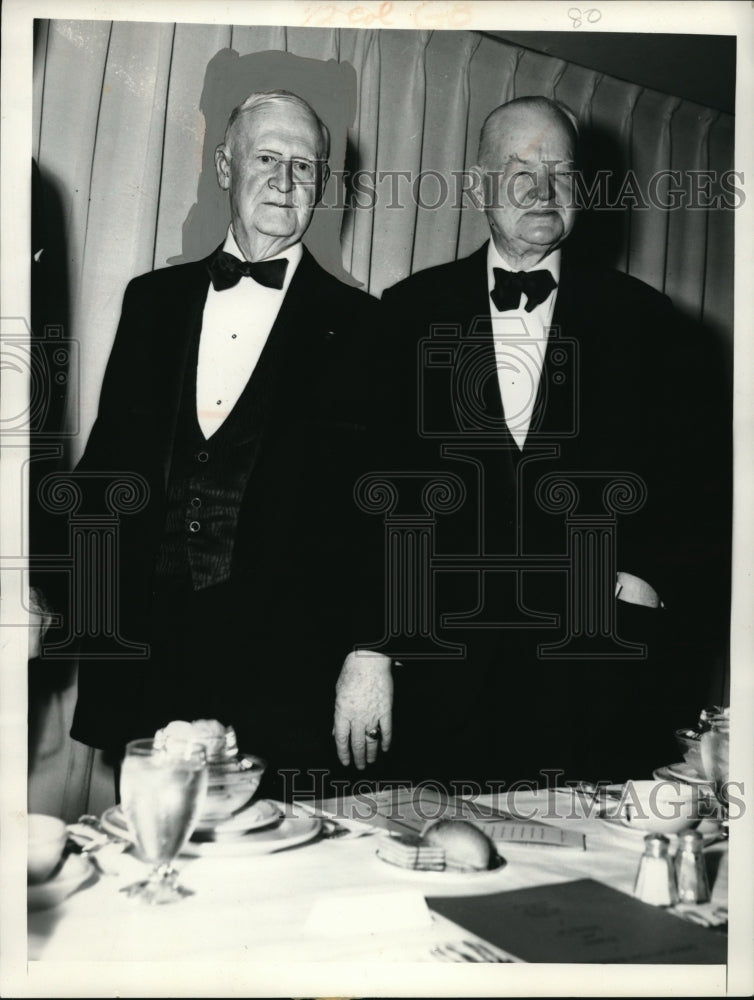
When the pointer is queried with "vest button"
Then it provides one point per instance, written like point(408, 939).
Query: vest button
point(194, 526)
point(196, 502)
point(203, 456)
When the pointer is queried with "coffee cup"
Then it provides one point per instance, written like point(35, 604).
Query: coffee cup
point(45, 842)
point(660, 806)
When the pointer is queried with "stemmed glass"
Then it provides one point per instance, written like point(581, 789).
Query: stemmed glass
point(162, 794)
point(715, 753)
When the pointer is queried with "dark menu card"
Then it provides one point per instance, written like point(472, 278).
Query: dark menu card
point(583, 921)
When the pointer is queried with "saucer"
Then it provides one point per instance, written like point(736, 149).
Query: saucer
point(255, 816)
point(272, 836)
point(680, 772)
point(74, 872)
point(709, 828)
point(290, 832)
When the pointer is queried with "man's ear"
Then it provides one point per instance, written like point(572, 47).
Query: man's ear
point(477, 191)
point(222, 166)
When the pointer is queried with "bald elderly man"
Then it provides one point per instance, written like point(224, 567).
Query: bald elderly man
point(239, 388)
point(538, 365)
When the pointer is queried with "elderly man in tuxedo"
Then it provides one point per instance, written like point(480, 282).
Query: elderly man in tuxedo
point(238, 390)
point(557, 389)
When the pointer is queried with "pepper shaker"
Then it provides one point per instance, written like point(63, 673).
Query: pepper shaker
point(655, 880)
point(690, 869)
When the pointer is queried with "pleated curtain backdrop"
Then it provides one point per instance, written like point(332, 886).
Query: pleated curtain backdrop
point(119, 135)
point(119, 132)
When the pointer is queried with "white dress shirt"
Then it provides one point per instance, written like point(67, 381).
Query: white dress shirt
point(235, 326)
point(520, 342)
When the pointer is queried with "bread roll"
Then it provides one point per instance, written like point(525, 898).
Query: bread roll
point(466, 848)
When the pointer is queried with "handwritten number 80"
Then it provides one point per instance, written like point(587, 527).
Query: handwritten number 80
point(591, 15)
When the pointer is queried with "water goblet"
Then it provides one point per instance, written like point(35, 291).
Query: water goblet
point(162, 794)
point(715, 754)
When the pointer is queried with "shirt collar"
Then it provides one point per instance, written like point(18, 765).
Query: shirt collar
point(292, 254)
point(551, 263)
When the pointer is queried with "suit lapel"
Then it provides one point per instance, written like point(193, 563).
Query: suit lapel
point(290, 347)
point(291, 338)
point(297, 344)
point(477, 357)
point(184, 322)
point(477, 405)
point(569, 296)
point(555, 413)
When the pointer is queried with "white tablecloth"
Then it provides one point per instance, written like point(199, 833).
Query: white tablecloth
point(263, 908)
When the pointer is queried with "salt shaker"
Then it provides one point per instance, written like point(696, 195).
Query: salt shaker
point(690, 869)
point(655, 880)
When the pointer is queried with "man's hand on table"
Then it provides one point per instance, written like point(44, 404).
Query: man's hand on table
point(363, 703)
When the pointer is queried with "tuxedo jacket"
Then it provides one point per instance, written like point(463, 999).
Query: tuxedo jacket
point(628, 392)
point(298, 554)
point(627, 386)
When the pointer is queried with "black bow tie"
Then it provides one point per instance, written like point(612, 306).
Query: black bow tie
point(226, 270)
point(536, 285)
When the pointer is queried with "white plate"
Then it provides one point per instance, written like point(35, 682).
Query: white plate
point(447, 877)
point(680, 772)
point(292, 831)
point(709, 829)
point(114, 822)
point(76, 869)
point(255, 816)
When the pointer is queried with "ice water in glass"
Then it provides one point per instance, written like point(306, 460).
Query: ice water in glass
point(162, 795)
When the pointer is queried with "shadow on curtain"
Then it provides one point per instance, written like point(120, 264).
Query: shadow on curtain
point(329, 87)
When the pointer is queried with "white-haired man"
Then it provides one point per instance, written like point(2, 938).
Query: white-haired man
point(237, 388)
point(567, 397)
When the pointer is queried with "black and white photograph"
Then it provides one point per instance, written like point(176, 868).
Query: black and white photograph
point(376, 485)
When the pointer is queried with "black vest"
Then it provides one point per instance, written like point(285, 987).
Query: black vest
point(208, 479)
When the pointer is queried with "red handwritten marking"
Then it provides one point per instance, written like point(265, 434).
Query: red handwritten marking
point(425, 15)
point(327, 13)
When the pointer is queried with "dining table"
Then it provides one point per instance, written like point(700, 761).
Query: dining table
point(567, 874)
